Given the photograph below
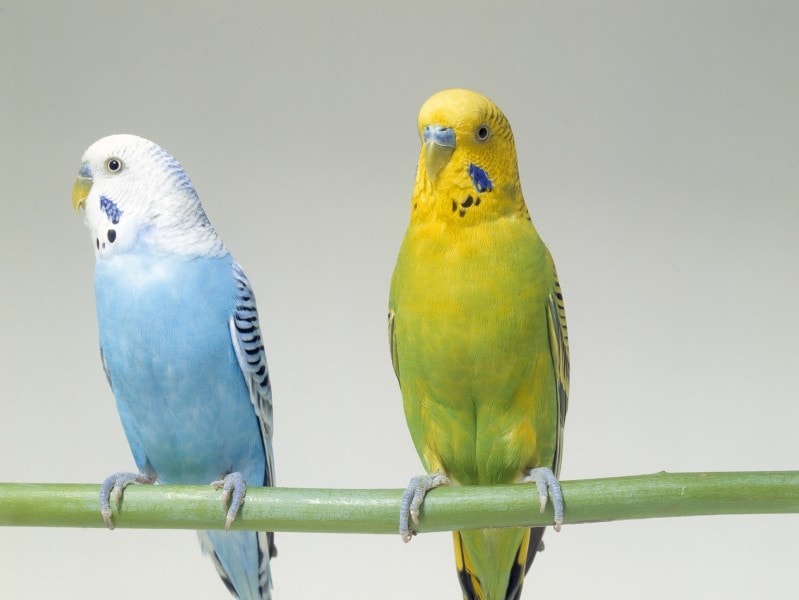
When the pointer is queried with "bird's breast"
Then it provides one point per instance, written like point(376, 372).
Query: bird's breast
point(472, 347)
point(166, 341)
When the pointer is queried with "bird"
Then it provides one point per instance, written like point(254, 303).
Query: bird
point(180, 343)
point(478, 336)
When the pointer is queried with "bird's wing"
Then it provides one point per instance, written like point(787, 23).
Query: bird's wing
point(245, 332)
point(392, 341)
point(559, 346)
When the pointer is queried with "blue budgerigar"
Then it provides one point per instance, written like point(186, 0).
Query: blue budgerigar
point(180, 343)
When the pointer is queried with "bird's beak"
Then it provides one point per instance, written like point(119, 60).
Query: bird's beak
point(439, 144)
point(82, 187)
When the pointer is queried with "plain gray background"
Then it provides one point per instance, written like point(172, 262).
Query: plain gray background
point(659, 151)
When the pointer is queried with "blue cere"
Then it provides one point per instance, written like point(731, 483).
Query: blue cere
point(442, 136)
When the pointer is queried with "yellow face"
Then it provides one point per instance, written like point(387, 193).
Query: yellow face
point(482, 133)
point(468, 156)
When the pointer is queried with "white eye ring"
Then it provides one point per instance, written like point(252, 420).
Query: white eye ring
point(482, 133)
point(114, 165)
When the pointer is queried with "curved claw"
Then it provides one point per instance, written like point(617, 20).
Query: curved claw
point(115, 484)
point(548, 486)
point(233, 489)
point(412, 501)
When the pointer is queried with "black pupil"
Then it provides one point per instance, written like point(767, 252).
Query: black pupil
point(113, 164)
point(482, 133)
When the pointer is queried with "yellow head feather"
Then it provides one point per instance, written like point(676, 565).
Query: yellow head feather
point(477, 178)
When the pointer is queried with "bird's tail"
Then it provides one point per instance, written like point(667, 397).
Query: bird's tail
point(492, 563)
point(242, 560)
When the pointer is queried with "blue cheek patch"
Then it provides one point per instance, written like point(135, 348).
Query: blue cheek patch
point(480, 179)
point(110, 209)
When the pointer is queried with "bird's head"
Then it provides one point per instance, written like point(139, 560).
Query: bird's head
point(134, 195)
point(468, 156)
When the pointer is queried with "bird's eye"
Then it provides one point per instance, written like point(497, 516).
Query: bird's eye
point(113, 165)
point(482, 133)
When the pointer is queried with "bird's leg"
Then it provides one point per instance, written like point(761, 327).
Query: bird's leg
point(233, 489)
point(548, 486)
point(115, 484)
point(412, 500)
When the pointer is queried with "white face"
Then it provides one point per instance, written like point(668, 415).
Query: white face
point(113, 229)
point(135, 196)
point(119, 170)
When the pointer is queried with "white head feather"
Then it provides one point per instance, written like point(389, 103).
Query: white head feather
point(140, 199)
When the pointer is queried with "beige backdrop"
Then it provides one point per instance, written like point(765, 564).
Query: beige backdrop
point(659, 150)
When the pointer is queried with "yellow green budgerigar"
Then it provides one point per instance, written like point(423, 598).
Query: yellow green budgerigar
point(478, 335)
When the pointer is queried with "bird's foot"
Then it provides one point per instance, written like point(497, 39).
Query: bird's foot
point(115, 484)
point(412, 501)
point(233, 489)
point(548, 486)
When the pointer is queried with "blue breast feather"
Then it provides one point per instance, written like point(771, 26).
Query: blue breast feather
point(166, 343)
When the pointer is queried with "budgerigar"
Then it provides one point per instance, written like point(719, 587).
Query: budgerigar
point(180, 343)
point(478, 334)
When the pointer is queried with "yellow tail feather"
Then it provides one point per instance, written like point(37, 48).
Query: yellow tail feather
point(469, 578)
